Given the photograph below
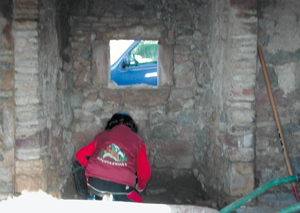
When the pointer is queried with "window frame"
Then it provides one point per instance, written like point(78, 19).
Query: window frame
point(101, 65)
point(126, 71)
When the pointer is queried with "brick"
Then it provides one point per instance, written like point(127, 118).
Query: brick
point(26, 116)
point(286, 77)
point(148, 21)
point(24, 77)
point(27, 108)
point(77, 99)
point(80, 32)
point(268, 131)
point(185, 80)
point(26, 14)
point(31, 166)
point(242, 115)
point(240, 86)
point(238, 65)
point(6, 82)
point(83, 38)
point(240, 104)
point(178, 58)
point(31, 182)
point(90, 19)
point(181, 162)
point(110, 20)
point(268, 151)
point(238, 56)
point(83, 115)
point(26, 70)
point(281, 99)
point(242, 128)
point(5, 66)
point(6, 190)
point(27, 129)
point(176, 148)
point(25, 34)
point(141, 32)
point(31, 147)
point(131, 21)
point(186, 117)
point(92, 106)
point(262, 99)
point(240, 179)
point(116, 96)
point(8, 128)
point(29, 99)
point(243, 141)
point(26, 9)
point(25, 25)
point(262, 115)
point(160, 162)
point(5, 94)
point(114, 25)
point(6, 56)
point(181, 49)
point(244, 71)
point(146, 98)
point(240, 154)
point(181, 94)
point(262, 142)
point(239, 96)
point(186, 40)
point(248, 91)
point(84, 136)
point(187, 133)
point(7, 162)
point(26, 87)
point(100, 64)
point(96, 26)
point(165, 52)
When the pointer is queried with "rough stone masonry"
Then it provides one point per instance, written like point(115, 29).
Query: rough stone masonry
point(209, 117)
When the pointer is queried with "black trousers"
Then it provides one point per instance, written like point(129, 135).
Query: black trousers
point(99, 187)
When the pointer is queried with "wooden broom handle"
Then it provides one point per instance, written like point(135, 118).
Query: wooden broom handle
point(287, 160)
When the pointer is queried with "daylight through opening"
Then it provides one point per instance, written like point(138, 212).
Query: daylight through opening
point(133, 62)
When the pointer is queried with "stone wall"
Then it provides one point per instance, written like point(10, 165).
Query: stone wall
point(209, 117)
point(171, 118)
point(278, 37)
point(38, 133)
point(166, 115)
point(7, 142)
point(241, 65)
point(199, 123)
point(30, 171)
point(230, 126)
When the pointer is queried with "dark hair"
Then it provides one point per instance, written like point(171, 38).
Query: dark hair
point(121, 118)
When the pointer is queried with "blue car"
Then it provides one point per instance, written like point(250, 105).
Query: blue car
point(136, 65)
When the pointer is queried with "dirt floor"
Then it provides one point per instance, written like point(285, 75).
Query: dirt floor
point(161, 189)
point(180, 190)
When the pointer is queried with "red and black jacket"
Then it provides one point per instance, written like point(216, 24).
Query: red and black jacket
point(117, 155)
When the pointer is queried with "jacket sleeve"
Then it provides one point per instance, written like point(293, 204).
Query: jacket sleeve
point(85, 152)
point(143, 168)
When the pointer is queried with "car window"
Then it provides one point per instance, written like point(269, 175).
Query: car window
point(117, 48)
point(133, 62)
point(145, 52)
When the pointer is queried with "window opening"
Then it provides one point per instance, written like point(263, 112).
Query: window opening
point(133, 62)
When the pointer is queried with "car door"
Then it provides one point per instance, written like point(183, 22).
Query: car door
point(137, 65)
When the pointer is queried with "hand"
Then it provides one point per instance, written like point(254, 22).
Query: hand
point(138, 188)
